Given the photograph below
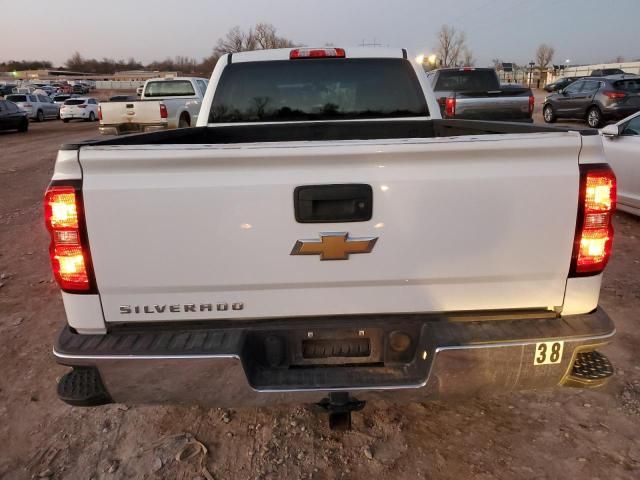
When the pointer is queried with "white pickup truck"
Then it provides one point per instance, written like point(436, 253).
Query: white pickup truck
point(323, 236)
point(165, 103)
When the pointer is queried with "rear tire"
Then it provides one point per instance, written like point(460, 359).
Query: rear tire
point(548, 114)
point(594, 117)
point(24, 126)
point(184, 121)
point(40, 116)
point(92, 117)
point(65, 120)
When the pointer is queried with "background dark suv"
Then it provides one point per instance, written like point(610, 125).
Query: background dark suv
point(560, 83)
point(595, 99)
point(603, 72)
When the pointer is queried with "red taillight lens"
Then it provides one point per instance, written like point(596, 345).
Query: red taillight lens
point(450, 107)
point(317, 53)
point(594, 232)
point(532, 102)
point(163, 111)
point(99, 112)
point(614, 95)
point(70, 259)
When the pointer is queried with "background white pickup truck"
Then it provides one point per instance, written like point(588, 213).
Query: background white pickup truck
point(323, 236)
point(165, 103)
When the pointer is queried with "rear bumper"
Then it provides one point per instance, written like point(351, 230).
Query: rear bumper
point(74, 115)
point(131, 128)
point(491, 118)
point(235, 365)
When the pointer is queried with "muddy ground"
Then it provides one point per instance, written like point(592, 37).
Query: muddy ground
point(563, 433)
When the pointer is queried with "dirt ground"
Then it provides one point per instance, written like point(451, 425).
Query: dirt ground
point(563, 433)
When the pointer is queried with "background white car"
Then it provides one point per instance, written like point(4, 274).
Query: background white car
point(622, 148)
point(82, 108)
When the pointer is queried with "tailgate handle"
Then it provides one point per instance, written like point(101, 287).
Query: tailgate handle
point(333, 203)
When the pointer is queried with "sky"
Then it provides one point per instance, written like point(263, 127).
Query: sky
point(583, 31)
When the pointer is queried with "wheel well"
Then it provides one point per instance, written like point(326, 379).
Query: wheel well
point(186, 116)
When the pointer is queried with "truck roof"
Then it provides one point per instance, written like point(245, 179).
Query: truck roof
point(284, 53)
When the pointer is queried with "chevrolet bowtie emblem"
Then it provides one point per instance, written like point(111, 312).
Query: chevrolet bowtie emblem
point(334, 246)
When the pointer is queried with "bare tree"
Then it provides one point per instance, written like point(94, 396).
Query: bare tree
point(497, 63)
point(263, 35)
point(451, 44)
point(76, 62)
point(236, 41)
point(544, 55)
point(266, 37)
point(618, 59)
point(467, 58)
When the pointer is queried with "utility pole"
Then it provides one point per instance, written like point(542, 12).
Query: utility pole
point(374, 44)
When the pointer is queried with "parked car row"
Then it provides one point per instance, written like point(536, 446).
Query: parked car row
point(563, 82)
point(17, 109)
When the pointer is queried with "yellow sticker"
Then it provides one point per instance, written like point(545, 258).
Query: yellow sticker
point(548, 353)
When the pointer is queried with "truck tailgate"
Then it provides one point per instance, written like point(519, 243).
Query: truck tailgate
point(192, 232)
point(118, 113)
point(492, 107)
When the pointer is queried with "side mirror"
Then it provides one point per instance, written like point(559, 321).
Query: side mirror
point(611, 131)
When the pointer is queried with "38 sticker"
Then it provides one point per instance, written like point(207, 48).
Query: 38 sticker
point(548, 353)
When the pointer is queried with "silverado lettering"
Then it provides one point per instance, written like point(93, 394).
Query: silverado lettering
point(186, 307)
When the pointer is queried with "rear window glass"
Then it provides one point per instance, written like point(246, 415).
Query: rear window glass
point(630, 85)
point(74, 102)
point(17, 98)
point(60, 98)
point(169, 88)
point(469, 80)
point(327, 89)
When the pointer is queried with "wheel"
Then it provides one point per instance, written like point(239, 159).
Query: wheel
point(594, 117)
point(548, 114)
point(184, 121)
point(92, 117)
point(65, 120)
point(24, 126)
point(40, 116)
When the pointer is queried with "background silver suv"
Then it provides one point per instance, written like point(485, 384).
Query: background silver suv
point(38, 107)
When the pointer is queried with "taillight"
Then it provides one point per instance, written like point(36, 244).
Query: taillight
point(317, 53)
point(594, 230)
point(613, 95)
point(28, 105)
point(532, 102)
point(70, 258)
point(450, 107)
point(163, 111)
point(99, 112)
